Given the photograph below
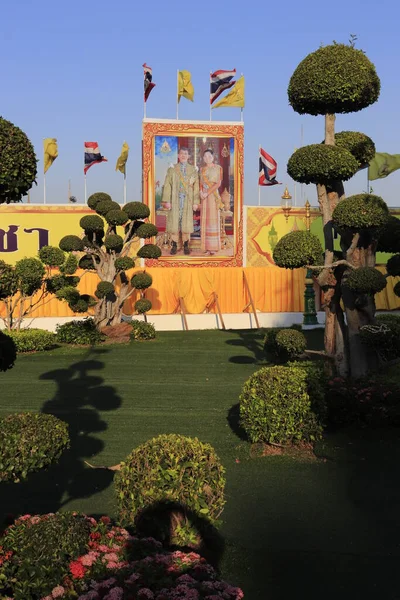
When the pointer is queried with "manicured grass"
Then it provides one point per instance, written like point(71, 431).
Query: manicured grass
point(313, 529)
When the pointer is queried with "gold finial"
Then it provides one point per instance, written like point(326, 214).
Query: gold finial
point(286, 195)
point(308, 215)
point(286, 203)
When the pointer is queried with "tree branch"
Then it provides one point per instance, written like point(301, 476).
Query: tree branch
point(353, 246)
point(331, 266)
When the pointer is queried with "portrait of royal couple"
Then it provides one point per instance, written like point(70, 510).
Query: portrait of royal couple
point(187, 190)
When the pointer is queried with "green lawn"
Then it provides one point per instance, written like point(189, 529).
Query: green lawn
point(323, 529)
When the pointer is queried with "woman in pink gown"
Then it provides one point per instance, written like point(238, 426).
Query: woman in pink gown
point(210, 225)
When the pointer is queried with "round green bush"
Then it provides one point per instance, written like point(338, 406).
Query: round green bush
point(92, 223)
point(141, 281)
point(29, 442)
point(71, 243)
point(105, 206)
point(80, 333)
point(366, 280)
point(8, 280)
point(317, 385)
point(8, 352)
point(290, 343)
point(58, 282)
point(321, 163)
point(361, 212)
point(68, 293)
point(396, 289)
point(18, 163)
point(80, 305)
point(146, 230)
point(124, 263)
point(171, 468)
point(104, 289)
point(70, 266)
point(149, 251)
point(32, 340)
point(86, 262)
point(298, 249)
point(389, 236)
point(51, 256)
point(381, 338)
point(142, 331)
point(97, 197)
point(275, 407)
point(333, 79)
point(136, 210)
point(393, 265)
point(142, 306)
point(114, 242)
point(116, 217)
point(358, 144)
point(30, 273)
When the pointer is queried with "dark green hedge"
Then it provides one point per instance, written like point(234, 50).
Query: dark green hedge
point(298, 249)
point(320, 163)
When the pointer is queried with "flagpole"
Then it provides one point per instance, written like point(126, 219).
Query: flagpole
point(368, 179)
point(241, 108)
point(144, 110)
point(210, 98)
point(85, 190)
point(301, 185)
point(125, 186)
point(177, 94)
point(44, 188)
point(259, 186)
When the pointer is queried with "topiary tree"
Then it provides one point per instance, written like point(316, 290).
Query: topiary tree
point(341, 79)
point(17, 163)
point(105, 248)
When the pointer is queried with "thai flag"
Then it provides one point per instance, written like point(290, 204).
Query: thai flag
point(92, 155)
point(148, 78)
point(267, 169)
point(220, 81)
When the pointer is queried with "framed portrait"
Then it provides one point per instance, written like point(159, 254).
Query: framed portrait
point(193, 185)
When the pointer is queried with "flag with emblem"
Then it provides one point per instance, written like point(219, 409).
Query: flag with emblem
point(219, 82)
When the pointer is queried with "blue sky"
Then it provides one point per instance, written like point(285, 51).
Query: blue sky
point(74, 71)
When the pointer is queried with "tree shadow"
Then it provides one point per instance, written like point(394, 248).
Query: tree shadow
point(233, 419)
point(79, 397)
point(252, 340)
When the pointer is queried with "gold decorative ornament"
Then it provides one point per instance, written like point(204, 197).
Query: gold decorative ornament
point(225, 151)
point(286, 203)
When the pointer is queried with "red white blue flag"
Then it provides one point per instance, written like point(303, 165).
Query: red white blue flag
point(219, 82)
point(267, 169)
point(148, 81)
point(92, 155)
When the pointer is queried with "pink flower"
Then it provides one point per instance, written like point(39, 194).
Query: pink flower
point(145, 594)
point(112, 564)
point(58, 591)
point(88, 559)
point(111, 556)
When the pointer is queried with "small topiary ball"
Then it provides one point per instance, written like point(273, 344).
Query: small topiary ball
point(92, 223)
point(8, 280)
point(360, 145)
point(321, 163)
point(29, 442)
point(94, 199)
point(396, 289)
point(86, 262)
point(136, 210)
point(70, 266)
point(142, 306)
point(141, 281)
point(57, 282)
point(393, 266)
point(360, 212)
point(290, 343)
point(68, 293)
point(104, 289)
point(8, 352)
point(124, 263)
point(366, 280)
point(389, 237)
point(298, 249)
point(149, 251)
point(276, 408)
point(171, 468)
point(116, 217)
point(51, 256)
point(146, 230)
point(30, 273)
point(114, 242)
point(80, 306)
point(105, 206)
point(71, 243)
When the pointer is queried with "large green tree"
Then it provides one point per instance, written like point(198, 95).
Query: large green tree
point(339, 79)
point(18, 164)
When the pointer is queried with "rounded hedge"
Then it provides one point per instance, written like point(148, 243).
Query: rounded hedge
point(68, 293)
point(8, 280)
point(389, 238)
point(358, 144)
point(298, 249)
point(104, 289)
point(70, 266)
point(393, 265)
point(79, 332)
point(142, 306)
point(171, 468)
point(366, 280)
point(116, 217)
point(105, 206)
point(30, 273)
point(360, 212)
point(18, 163)
point(29, 442)
point(321, 163)
point(51, 256)
point(114, 242)
point(333, 79)
point(32, 340)
point(141, 281)
point(149, 251)
point(396, 289)
point(136, 210)
point(124, 263)
point(80, 305)
point(142, 331)
point(92, 223)
point(146, 230)
point(86, 262)
point(71, 243)
point(290, 343)
point(57, 282)
point(275, 407)
point(97, 197)
point(8, 352)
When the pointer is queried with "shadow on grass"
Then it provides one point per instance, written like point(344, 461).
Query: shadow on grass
point(81, 393)
point(233, 419)
point(252, 341)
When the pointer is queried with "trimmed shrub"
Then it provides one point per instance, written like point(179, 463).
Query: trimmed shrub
point(30, 273)
point(380, 338)
point(114, 242)
point(18, 163)
point(97, 197)
point(275, 407)
point(8, 280)
point(142, 331)
point(136, 210)
point(389, 238)
point(29, 442)
point(149, 251)
point(393, 265)
point(141, 281)
point(32, 340)
point(8, 352)
point(68, 293)
point(366, 280)
point(79, 333)
point(71, 243)
point(298, 249)
point(104, 289)
point(51, 256)
point(124, 263)
point(171, 468)
point(80, 305)
point(360, 145)
point(362, 211)
point(146, 230)
point(321, 163)
point(316, 385)
point(142, 305)
point(116, 217)
point(92, 223)
point(103, 207)
point(70, 266)
point(86, 262)
point(290, 343)
point(57, 282)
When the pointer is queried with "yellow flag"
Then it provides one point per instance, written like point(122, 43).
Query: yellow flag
point(123, 157)
point(235, 97)
point(185, 86)
point(50, 149)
